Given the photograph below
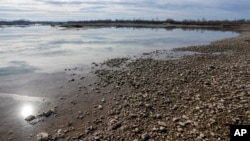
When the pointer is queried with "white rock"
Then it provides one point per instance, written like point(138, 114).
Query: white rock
point(103, 100)
point(100, 107)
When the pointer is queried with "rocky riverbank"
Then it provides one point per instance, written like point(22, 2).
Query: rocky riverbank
point(195, 97)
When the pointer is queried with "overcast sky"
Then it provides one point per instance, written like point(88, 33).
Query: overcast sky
point(63, 10)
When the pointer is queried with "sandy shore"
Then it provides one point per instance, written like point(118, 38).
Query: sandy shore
point(195, 97)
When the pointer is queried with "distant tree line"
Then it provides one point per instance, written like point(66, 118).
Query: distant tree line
point(208, 22)
point(134, 21)
point(169, 21)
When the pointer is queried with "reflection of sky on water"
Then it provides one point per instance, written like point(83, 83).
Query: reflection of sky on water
point(16, 67)
point(41, 48)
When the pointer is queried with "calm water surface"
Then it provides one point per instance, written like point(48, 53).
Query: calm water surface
point(48, 49)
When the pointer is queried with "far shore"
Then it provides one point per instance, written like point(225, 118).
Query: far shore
point(237, 25)
point(142, 25)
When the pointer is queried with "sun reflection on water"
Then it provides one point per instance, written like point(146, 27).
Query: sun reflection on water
point(26, 110)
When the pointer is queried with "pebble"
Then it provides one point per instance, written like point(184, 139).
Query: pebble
point(145, 136)
point(180, 129)
point(100, 107)
point(176, 119)
point(162, 128)
point(162, 123)
point(49, 112)
point(43, 136)
point(181, 124)
point(103, 100)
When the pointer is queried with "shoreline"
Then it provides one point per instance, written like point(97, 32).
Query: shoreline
point(195, 97)
point(222, 26)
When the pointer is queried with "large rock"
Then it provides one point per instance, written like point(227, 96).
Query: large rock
point(30, 118)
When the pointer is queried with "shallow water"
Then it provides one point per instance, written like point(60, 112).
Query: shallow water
point(47, 49)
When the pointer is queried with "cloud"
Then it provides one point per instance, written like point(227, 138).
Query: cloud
point(118, 9)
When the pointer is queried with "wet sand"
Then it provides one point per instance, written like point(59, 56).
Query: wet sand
point(195, 97)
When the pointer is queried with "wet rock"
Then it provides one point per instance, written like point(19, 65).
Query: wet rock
point(49, 112)
point(43, 136)
point(30, 118)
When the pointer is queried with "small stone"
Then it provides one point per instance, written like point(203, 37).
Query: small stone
point(212, 134)
point(181, 123)
point(136, 130)
point(202, 135)
point(116, 126)
point(145, 136)
point(176, 119)
point(97, 138)
point(162, 128)
point(155, 129)
point(30, 118)
point(212, 121)
point(103, 100)
point(180, 129)
point(185, 117)
point(43, 136)
point(161, 123)
point(49, 112)
point(100, 107)
point(158, 116)
point(188, 122)
point(148, 105)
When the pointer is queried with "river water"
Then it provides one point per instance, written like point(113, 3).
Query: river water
point(47, 49)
